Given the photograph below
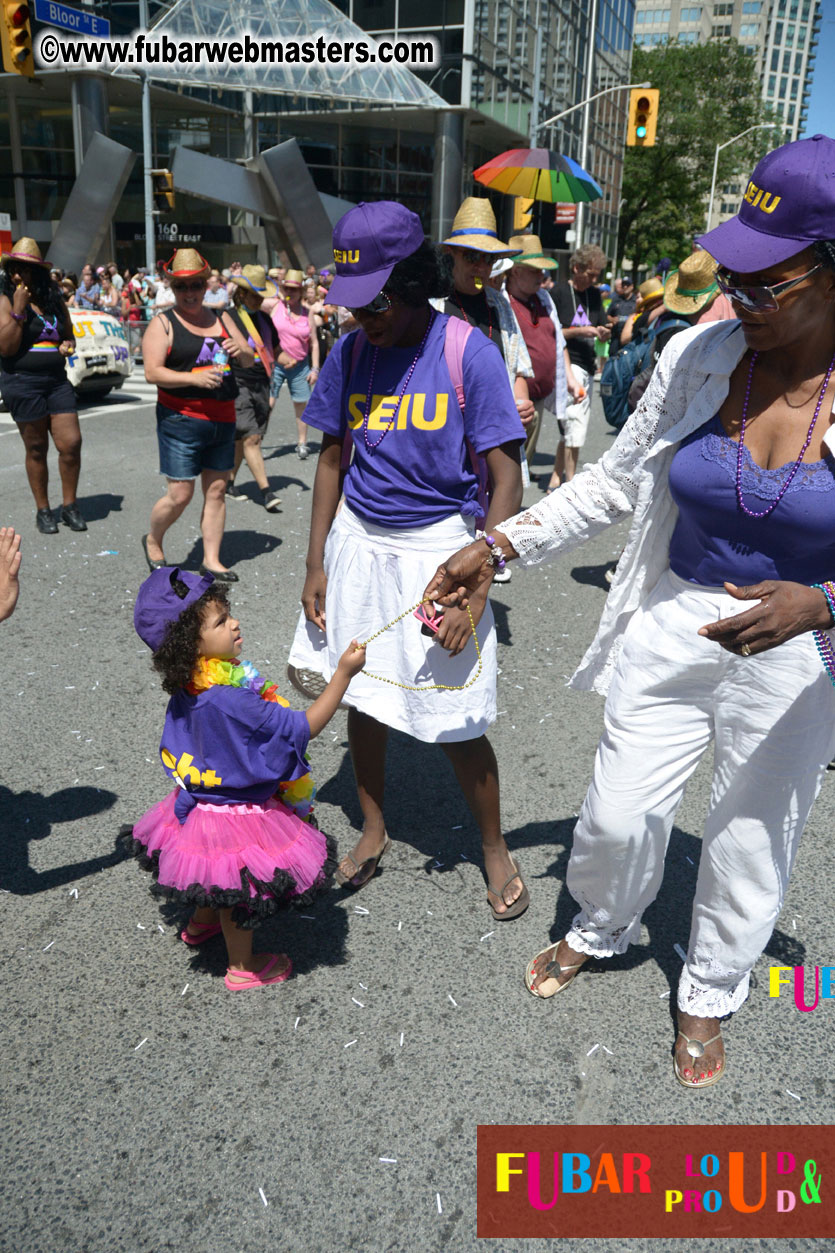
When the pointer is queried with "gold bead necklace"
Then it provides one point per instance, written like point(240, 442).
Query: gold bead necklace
point(429, 687)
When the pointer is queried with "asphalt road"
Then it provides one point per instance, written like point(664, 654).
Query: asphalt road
point(146, 1109)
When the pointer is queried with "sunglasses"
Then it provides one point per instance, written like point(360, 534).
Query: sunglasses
point(380, 304)
point(189, 286)
point(470, 256)
point(759, 299)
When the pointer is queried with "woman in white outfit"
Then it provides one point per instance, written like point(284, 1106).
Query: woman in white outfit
point(726, 467)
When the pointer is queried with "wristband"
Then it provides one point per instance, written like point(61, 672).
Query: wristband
point(19, 317)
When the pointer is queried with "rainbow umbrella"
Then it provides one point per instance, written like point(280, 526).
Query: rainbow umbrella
point(538, 174)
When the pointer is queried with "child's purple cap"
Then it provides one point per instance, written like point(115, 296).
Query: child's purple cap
point(367, 244)
point(157, 603)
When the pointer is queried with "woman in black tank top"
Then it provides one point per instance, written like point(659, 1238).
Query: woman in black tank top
point(36, 338)
point(186, 351)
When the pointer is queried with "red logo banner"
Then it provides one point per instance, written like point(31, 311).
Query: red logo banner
point(656, 1181)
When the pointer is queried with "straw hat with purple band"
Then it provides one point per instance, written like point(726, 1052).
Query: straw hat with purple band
point(187, 263)
point(474, 226)
point(531, 253)
point(789, 205)
point(251, 278)
point(27, 252)
point(368, 242)
point(158, 605)
point(692, 287)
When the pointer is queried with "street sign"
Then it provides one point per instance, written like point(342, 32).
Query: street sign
point(62, 15)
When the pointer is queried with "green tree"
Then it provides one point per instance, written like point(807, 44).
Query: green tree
point(708, 93)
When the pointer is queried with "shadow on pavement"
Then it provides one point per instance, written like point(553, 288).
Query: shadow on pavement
point(237, 546)
point(95, 508)
point(30, 816)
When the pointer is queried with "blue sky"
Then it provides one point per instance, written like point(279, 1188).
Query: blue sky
point(822, 98)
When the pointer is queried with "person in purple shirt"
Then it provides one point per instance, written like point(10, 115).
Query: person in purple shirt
point(386, 394)
point(231, 838)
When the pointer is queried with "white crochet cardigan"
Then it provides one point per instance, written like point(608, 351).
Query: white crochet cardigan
point(688, 387)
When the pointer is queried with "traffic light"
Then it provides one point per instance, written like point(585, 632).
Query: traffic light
point(17, 38)
point(643, 117)
point(522, 213)
point(163, 183)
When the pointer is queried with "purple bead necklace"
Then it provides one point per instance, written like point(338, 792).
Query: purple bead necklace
point(751, 513)
point(408, 379)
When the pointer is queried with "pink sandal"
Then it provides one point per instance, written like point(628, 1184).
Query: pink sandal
point(207, 931)
point(258, 978)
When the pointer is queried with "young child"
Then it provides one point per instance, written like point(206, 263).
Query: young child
point(229, 839)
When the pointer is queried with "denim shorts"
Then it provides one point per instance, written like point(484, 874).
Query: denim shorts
point(296, 379)
point(189, 445)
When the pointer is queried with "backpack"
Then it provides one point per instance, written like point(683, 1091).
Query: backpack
point(457, 333)
point(620, 371)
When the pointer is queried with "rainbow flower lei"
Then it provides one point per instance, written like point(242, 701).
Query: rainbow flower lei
point(211, 671)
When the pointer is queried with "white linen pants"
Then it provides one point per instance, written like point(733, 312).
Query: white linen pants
point(771, 718)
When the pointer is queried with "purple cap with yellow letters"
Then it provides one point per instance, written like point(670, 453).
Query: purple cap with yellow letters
point(367, 244)
point(788, 205)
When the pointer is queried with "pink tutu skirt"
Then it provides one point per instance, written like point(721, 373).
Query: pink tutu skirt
point(254, 858)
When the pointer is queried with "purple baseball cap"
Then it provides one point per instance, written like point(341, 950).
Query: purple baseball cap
point(788, 205)
point(367, 244)
point(157, 603)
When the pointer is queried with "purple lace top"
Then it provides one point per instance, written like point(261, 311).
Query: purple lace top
point(714, 541)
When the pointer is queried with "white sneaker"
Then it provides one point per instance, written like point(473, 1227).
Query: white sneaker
point(303, 452)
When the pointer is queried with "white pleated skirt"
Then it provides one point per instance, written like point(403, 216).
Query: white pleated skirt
point(373, 575)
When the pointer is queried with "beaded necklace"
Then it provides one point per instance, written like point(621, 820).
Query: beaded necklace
point(370, 393)
point(428, 687)
point(465, 316)
point(752, 513)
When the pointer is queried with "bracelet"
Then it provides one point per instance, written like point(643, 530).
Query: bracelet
point(822, 640)
point(828, 590)
point(19, 317)
point(496, 558)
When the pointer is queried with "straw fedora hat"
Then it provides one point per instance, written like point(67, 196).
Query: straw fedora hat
point(529, 249)
point(187, 263)
point(649, 293)
point(692, 287)
point(474, 226)
point(26, 251)
point(293, 278)
point(252, 278)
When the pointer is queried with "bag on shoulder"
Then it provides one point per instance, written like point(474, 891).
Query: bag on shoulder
point(617, 376)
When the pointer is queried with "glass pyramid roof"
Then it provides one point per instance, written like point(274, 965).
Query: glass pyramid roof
point(220, 21)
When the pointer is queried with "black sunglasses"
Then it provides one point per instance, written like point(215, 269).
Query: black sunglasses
point(189, 286)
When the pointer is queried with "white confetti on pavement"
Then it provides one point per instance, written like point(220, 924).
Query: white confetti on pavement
point(348, 1045)
point(794, 1094)
point(263, 1198)
point(49, 945)
point(455, 1003)
point(438, 1199)
point(139, 1045)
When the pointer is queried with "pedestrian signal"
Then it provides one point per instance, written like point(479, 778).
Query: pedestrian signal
point(522, 213)
point(16, 34)
point(163, 183)
point(643, 117)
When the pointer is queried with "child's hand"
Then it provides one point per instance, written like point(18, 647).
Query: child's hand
point(352, 660)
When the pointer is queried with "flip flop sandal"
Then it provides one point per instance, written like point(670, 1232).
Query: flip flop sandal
point(696, 1048)
point(207, 931)
point(365, 870)
point(522, 901)
point(530, 975)
point(258, 978)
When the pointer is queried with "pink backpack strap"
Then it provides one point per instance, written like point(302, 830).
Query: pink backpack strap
point(457, 333)
point(348, 440)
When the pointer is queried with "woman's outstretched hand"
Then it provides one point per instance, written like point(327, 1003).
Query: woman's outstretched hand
point(461, 575)
point(783, 611)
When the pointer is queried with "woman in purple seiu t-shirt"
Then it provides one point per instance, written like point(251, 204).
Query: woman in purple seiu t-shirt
point(387, 396)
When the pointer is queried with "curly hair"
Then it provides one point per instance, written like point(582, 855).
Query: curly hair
point(825, 253)
point(45, 291)
point(426, 273)
point(176, 656)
